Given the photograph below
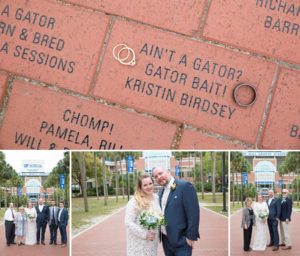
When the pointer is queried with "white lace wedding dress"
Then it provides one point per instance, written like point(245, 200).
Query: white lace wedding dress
point(261, 227)
point(137, 245)
point(30, 235)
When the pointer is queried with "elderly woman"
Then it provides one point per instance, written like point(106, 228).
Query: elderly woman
point(248, 221)
point(20, 222)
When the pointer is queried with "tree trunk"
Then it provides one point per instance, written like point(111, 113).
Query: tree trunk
point(117, 181)
point(233, 190)
point(82, 169)
point(298, 186)
point(104, 180)
point(96, 176)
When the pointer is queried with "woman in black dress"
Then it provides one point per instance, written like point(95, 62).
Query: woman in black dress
point(248, 221)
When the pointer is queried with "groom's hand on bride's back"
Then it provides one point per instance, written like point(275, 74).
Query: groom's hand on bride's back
point(190, 242)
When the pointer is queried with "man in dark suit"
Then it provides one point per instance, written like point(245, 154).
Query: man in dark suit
point(179, 202)
point(285, 220)
point(41, 221)
point(9, 218)
point(63, 223)
point(273, 219)
point(53, 222)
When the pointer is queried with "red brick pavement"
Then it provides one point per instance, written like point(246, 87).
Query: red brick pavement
point(190, 55)
point(32, 250)
point(109, 237)
point(236, 238)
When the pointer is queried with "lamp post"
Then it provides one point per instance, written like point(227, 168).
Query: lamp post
point(244, 170)
point(224, 186)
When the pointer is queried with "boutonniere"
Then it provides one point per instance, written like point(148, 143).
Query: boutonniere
point(173, 186)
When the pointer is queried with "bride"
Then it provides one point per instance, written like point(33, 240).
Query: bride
point(261, 212)
point(31, 225)
point(140, 241)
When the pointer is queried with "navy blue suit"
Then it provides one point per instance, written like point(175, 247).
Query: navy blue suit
point(41, 222)
point(182, 214)
point(286, 209)
point(62, 224)
point(274, 214)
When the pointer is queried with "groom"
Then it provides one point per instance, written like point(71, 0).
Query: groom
point(179, 203)
point(273, 219)
point(41, 221)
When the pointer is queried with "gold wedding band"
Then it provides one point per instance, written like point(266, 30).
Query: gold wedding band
point(129, 59)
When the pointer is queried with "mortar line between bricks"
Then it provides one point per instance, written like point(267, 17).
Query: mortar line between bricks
point(178, 133)
point(197, 39)
point(267, 106)
point(218, 136)
point(177, 136)
point(9, 82)
point(102, 54)
point(204, 16)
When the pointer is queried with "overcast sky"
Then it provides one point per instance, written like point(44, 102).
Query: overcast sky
point(50, 157)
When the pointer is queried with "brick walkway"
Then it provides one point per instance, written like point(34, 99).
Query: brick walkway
point(236, 238)
point(57, 69)
point(32, 250)
point(109, 237)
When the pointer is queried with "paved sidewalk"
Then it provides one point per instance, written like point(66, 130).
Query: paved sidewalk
point(33, 250)
point(236, 238)
point(109, 237)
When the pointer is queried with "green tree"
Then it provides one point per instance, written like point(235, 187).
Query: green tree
point(238, 164)
point(291, 165)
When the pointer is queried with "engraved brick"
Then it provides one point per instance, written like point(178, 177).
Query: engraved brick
point(282, 129)
point(183, 16)
point(51, 42)
point(271, 28)
point(41, 118)
point(184, 80)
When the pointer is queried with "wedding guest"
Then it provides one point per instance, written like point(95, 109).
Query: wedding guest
point(248, 221)
point(62, 223)
point(285, 220)
point(20, 222)
point(9, 218)
point(53, 222)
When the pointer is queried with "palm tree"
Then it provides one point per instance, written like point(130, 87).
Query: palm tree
point(82, 169)
point(96, 176)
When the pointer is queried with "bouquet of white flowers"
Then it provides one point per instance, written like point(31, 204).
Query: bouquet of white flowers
point(263, 214)
point(151, 220)
point(30, 216)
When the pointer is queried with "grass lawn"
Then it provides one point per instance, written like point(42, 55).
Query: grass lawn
point(208, 198)
point(96, 209)
point(2, 211)
point(217, 209)
point(237, 206)
point(296, 206)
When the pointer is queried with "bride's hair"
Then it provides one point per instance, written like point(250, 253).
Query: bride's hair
point(139, 195)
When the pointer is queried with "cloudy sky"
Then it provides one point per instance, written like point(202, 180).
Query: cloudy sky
point(50, 157)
